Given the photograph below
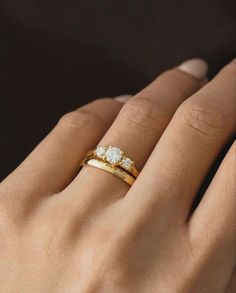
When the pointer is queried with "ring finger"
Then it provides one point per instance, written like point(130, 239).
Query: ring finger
point(141, 122)
point(54, 162)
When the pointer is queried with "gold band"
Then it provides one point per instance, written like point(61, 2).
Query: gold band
point(118, 172)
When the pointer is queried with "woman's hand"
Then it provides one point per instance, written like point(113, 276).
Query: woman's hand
point(61, 231)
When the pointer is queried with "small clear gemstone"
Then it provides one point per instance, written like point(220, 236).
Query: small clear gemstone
point(100, 151)
point(113, 155)
point(126, 163)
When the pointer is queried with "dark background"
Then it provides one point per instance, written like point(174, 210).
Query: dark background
point(56, 55)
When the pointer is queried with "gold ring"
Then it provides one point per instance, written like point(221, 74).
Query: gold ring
point(118, 172)
point(115, 157)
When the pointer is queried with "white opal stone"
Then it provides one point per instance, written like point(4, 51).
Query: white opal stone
point(100, 151)
point(113, 155)
point(126, 163)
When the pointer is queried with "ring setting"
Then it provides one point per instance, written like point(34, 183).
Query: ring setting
point(112, 160)
point(115, 157)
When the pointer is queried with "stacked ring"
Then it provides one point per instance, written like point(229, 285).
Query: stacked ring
point(112, 160)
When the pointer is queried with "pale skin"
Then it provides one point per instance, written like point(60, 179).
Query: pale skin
point(62, 230)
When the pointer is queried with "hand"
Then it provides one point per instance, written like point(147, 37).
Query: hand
point(61, 231)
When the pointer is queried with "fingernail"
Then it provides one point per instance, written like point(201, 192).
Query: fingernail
point(123, 98)
point(196, 67)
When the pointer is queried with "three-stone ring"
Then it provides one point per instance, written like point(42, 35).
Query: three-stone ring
point(112, 160)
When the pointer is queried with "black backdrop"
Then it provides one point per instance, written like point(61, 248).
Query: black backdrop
point(56, 55)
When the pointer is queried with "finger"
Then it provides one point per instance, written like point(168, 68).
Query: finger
point(198, 131)
point(142, 121)
point(55, 162)
point(212, 227)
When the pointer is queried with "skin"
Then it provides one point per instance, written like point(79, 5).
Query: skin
point(64, 231)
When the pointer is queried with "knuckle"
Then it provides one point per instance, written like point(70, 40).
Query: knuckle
point(108, 270)
point(177, 80)
point(83, 118)
point(204, 120)
point(104, 102)
point(145, 113)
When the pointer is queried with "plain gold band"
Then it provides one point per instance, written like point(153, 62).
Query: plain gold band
point(110, 169)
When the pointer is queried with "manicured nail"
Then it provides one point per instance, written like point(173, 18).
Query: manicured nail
point(196, 67)
point(123, 98)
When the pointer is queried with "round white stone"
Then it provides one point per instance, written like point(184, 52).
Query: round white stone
point(126, 163)
point(100, 151)
point(113, 155)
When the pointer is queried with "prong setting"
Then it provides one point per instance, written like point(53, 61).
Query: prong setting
point(100, 152)
point(127, 164)
point(114, 156)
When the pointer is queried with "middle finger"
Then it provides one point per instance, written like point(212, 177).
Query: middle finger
point(197, 133)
